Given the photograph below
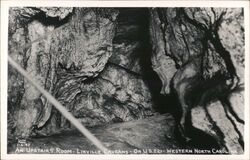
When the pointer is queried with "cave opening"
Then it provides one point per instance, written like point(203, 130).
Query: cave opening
point(138, 20)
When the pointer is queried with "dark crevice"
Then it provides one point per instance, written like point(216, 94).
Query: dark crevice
point(163, 27)
point(216, 129)
point(139, 32)
point(163, 103)
point(124, 68)
point(231, 110)
point(49, 21)
point(212, 35)
point(241, 139)
point(164, 21)
point(200, 26)
point(25, 53)
point(215, 40)
point(199, 138)
point(185, 41)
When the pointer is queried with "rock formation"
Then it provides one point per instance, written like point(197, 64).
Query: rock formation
point(108, 65)
point(195, 55)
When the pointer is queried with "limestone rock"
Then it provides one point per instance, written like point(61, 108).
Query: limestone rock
point(110, 65)
point(185, 37)
point(126, 55)
point(60, 12)
point(67, 60)
point(119, 93)
point(232, 37)
point(60, 60)
point(220, 122)
point(115, 96)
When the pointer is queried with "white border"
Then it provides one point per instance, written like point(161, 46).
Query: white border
point(4, 51)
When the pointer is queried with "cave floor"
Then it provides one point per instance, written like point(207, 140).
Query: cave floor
point(153, 135)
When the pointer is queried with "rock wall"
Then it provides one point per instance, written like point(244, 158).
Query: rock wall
point(114, 65)
point(67, 51)
point(199, 61)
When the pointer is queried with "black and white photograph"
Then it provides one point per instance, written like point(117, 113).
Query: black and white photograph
point(126, 80)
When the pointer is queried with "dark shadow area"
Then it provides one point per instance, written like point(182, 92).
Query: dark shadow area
point(48, 21)
point(164, 103)
point(200, 139)
point(138, 18)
